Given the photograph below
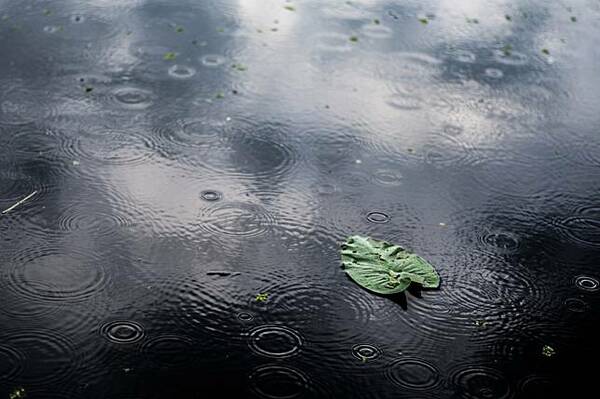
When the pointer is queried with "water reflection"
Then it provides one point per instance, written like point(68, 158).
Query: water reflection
point(188, 157)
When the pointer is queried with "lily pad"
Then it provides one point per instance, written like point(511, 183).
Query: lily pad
point(385, 268)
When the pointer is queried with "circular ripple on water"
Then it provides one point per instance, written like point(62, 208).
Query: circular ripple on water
point(133, 98)
point(413, 373)
point(111, 147)
point(212, 60)
point(203, 133)
point(11, 362)
point(149, 50)
point(25, 308)
point(377, 31)
point(100, 222)
point(90, 27)
point(378, 217)
point(236, 219)
point(513, 58)
point(494, 73)
point(52, 29)
point(365, 352)
point(22, 105)
point(387, 177)
point(587, 283)
point(464, 56)
point(332, 42)
point(47, 273)
point(275, 341)
point(478, 382)
point(511, 177)
point(205, 305)
point(15, 186)
point(537, 387)
point(405, 100)
point(582, 228)
point(447, 151)
point(489, 285)
point(330, 318)
point(278, 382)
point(500, 241)
point(170, 351)
point(122, 331)
point(258, 153)
point(576, 305)
point(46, 356)
point(181, 71)
point(245, 317)
point(211, 195)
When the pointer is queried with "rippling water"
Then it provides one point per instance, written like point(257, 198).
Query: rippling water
point(177, 177)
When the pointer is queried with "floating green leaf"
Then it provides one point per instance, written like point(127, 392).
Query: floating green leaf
point(385, 268)
point(354, 39)
point(290, 8)
point(546, 51)
point(170, 56)
point(424, 21)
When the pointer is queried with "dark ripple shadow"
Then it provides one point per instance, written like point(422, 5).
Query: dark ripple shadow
point(48, 273)
point(47, 356)
point(473, 381)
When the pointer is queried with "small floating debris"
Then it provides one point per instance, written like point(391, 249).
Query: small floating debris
point(548, 351)
point(179, 29)
point(481, 323)
point(472, 20)
point(354, 39)
point(573, 19)
point(424, 20)
point(376, 21)
point(239, 67)
point(262, 297)
point(19, 203)
point(17, 393)
point(290, 8)
point(88, 89)
point(508, 17)
point(546, 51)
point(169, 56)
point(222, 273)
point(507, 50)
point(47, 12)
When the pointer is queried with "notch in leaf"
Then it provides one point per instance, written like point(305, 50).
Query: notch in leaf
point(385, 268)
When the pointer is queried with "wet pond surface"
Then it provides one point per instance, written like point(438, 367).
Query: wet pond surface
point(188, 170)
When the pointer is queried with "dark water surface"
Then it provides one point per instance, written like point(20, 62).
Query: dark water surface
point(186, 157)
